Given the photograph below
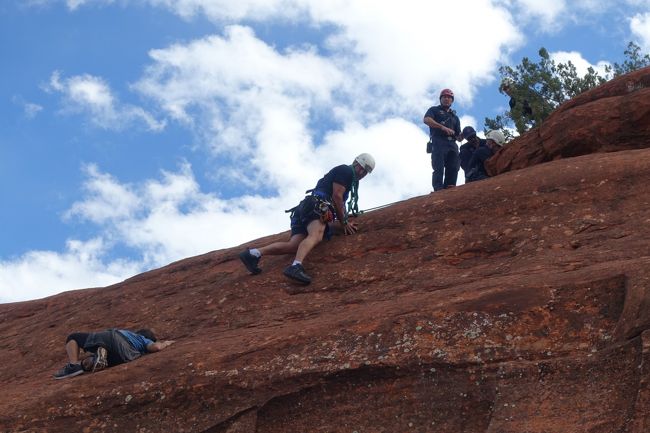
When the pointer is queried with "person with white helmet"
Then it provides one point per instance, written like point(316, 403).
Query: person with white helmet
point(312, 220)
point(521, 113)
point(444, 131)
point(495, 141)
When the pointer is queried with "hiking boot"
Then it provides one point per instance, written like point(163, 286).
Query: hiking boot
point(70, 370)
point(297, 272)
point(101, 359)
point(250, 261)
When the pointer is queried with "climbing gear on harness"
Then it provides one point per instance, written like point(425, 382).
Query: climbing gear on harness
point(316, 204)
point(297, 272)
point(324, 208)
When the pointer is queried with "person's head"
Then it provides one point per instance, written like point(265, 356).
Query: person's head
point(495, 139)
point(147, 333)
point(506, 85)
point(469, 134)
point(446, 98)
point(363, 164)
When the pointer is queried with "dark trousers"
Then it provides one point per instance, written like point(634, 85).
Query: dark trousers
point(445, 163)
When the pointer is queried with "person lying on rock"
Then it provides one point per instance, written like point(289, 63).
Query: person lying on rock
point(94, 351)
point(314, 217)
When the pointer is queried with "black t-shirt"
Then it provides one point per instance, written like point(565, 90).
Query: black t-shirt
point(341, 174)
point(445, 118)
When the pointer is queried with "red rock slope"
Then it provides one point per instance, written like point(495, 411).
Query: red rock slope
point(515, 304)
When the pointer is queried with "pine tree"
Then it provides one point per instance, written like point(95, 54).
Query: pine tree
point(536, 89)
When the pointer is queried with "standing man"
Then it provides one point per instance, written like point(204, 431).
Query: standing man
point(311, 219)
point(444, 130)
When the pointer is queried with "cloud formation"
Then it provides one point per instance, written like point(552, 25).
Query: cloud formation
point(640, 26)
point(91, 95)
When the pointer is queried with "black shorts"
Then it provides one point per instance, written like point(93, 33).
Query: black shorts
point(307, 211)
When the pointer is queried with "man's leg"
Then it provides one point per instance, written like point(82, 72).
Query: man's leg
point(315, 231)
point(288, 247)
point(438, 166)
point(251, 257)
point(452, 165)
point(73, 350)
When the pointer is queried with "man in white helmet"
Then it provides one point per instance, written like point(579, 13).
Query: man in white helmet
point(311, 220)
point(476, 168)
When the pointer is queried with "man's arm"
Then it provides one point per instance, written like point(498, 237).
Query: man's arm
point(338, 191)
point(158, 345)
point(435, 125)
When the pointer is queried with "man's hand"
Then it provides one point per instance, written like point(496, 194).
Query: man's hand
point(350, 228)
point(448, 131)
point(159, 345)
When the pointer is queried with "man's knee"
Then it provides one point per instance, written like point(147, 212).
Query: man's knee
point(315, 229)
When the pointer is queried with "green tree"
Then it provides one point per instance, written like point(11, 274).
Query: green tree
point(537, 88)
point(634, 60)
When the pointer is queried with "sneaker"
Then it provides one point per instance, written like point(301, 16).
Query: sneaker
point(101, 359)
point(297, 272)
point(250, 261)
point(70, 370)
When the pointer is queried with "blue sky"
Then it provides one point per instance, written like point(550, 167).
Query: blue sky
point(134, 133)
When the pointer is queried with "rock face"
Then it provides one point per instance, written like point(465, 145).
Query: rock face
point(516, 304)
point(611, 117)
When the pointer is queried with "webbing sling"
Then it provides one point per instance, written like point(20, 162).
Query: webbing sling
point(353, 203)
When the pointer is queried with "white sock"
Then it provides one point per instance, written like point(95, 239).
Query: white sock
point(255, 252)
point(296, 262)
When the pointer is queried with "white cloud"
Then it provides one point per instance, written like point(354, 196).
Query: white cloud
point(219, 10)
point(29, 108)
point(92, 95)
point(106, 198)
point(411, 47)
point(42, 273)
point(581, 64)
point(640, 27)
point(551, 16)
point(170, 218)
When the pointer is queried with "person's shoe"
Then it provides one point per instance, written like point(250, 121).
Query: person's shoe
point(250, 261)
point(101, 359)
point(297, 272)
point(70, 370)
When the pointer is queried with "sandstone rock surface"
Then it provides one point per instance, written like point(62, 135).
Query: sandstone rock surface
point(516, 304)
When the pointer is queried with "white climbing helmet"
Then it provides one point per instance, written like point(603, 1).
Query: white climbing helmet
point(366, 161)
point(506, 82)
point(496, 136)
